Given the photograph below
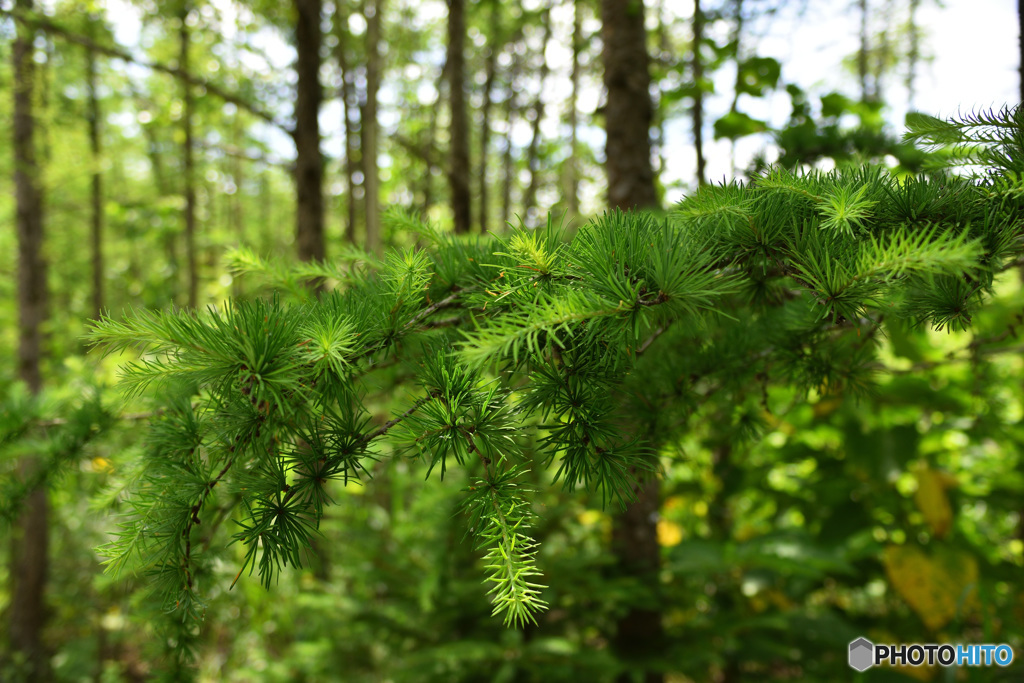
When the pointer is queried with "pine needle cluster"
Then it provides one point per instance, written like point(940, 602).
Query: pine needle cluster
point(537, 351)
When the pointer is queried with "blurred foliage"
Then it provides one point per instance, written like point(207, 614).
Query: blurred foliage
point(791, 522)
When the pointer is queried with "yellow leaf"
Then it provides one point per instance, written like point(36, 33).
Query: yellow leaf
point(101, 465)
point(669, 533)
point(589, 517)
point(938, 587)
point(674, 502)
point(932, 500)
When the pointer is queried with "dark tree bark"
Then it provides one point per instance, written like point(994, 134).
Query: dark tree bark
point(348, 105)
point(697, 69)
point(371, 181)
point(309, 168)
point(573, 181)
point(1020, 42)
point(30, 532)
point(532, 160)
point(490, 73)
point(635, 544)
point(96, 189)
point(190, 167)
point(458, 170)
point(628, 112)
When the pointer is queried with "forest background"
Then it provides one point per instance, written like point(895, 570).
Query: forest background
point(165, 135)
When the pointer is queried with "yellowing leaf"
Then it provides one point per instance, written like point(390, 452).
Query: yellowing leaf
point(101, 465)
point(937, 587)
point(589, 517)
point(673, 503)
point(669, 533)
point(932, 500)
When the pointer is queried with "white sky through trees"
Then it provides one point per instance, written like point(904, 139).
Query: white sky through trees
point(969, 49)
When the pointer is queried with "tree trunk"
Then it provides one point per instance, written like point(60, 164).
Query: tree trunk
point(698, 92)
point(309, 169)
point(664, 55)
point(511, 112)
point(573, 171)
point(430, 153)
point(30, 532)
point(190, 171)
point(268, 236)
point(1020, 42)
point(96, 195)
point(737, 39)
point(458, 171)
point(628, 111)
point(348, 101)
point(237, 208)
point(152, 144)
point(371, 182)
point(914, 52)
point(532, 161)
point(862, 52)
point(631, 184)
point(490, 71)
point(635, 544)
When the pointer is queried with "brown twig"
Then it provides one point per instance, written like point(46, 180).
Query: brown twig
point(37, 22)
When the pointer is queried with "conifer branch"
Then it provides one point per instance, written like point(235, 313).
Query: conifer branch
point(387, 426)
point(571, 323)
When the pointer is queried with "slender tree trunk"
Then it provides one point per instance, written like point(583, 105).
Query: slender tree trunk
point(490, 71)
point(30, 532)
point(45, 79)
point(573, 181)
point(862, 52)
point(268, 236)
point(1020, 43)
point(664, 53)
point(190, 170)
point(511, 113)
point(635, 544)
point(883, 50)
point(532, 160)
point(152, 144)
point(631, 184)
point(430, 155)
point(96, 194)
point(914, 52)
point(237, 206)
point(698, 92)
point(371, 182)
point(737, 39)
point(347, 94)
point(309, 167)
point(628, 112)
point(507, 165)
point(458, 170)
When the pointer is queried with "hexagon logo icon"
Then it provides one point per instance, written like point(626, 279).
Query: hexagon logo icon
point(862, 654)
